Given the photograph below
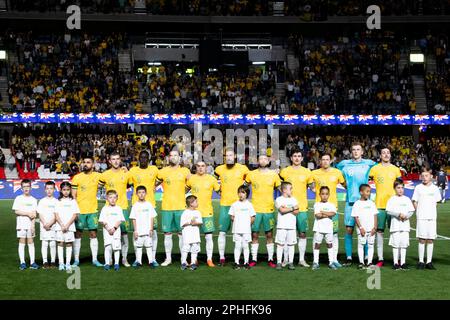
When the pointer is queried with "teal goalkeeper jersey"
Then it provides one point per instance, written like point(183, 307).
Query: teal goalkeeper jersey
point(355, 174)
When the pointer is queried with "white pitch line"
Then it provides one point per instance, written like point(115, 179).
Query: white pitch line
point(438, 235)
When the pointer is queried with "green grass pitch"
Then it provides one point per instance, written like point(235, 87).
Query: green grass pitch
point(260, 282)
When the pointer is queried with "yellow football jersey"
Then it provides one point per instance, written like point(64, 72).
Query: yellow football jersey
point(117, 180)
point(263, 184)
point(299, 178)
point(202, 187)
point(147, 178)
point(86, 186)
point(230, 181)
point(330, 178)
point(174, 187)
point(384, 177)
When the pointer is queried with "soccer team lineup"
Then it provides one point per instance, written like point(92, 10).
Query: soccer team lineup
point(247, 210)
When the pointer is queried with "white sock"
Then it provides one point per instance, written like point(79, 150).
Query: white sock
point(180, 242)
point(421, 251)
point(285, 253)
point(53, 251)
point(168, 245)
point(302, 248)
point(237, 251)
point(193, 257)
point(280, 250)
point(139, 254)
point(380, 246)
point(116, 256)
point(184, 254)
point(124, 247)
point(76, 249)
point(154, 245)
point(255, 247)
point(361, 253)
point(316, 255)
point(44, 247)
point(108, 255)
point(22, 252)
point(430, 252)
point(246, 252)
point(270, 249)
point(68, 254)
point(209, 246)
point(31, 252)
point(330, 255)
point(291, 253)
point(61, 254)
point(370, 253)
point(335, 247)
point(221, 243)
point(402, 256)
point(149, 251)
point(94, 248)
point(395, 255)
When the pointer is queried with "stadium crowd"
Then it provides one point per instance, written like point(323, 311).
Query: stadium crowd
point(61, 151)
point(350, 75)
point(70, 73)
point(307, 9)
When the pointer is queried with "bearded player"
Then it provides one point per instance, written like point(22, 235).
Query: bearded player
point(384, 175)
point(173, 179)
point(145, 175)
point(84, 191)
point(232, 176)
point(355, 172)
point(202, 186)
point(263, 181)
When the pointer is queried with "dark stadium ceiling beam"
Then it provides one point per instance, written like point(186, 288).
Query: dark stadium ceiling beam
point(168, 19)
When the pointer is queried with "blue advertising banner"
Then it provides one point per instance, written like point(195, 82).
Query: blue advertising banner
point(289, 119)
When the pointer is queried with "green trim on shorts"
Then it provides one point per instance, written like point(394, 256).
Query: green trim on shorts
point(224, 219)
point(383, 220)
point(126, 226)
point(302, 222)
point(87, 221)
point(335, 220)
point(208, 225)
point(171, 220)
point(267, 220)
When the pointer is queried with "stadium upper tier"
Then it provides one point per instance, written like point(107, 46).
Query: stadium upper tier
point(307, 9)
point(366, 73)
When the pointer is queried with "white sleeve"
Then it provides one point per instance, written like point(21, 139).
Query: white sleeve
point(277, 203)
point(153, 212)
point(295, 202)
point(252, 211)
point(316, 208)
point(133, 213)
point(39, 207)
point(183, 219)
point(122, 217)
point(199, 217)
point(355, 210)
point(75, 208)
point(35, 203)
point(102, 215)
point(16, 204)
point(334, 208)
point(437, 195)
point(231, 211)
point(415, 195)
point(374, 209)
